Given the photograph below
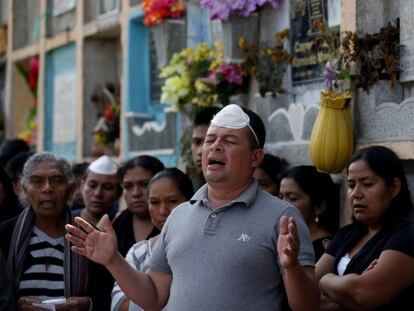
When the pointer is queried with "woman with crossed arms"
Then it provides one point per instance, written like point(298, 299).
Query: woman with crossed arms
point(370, 263)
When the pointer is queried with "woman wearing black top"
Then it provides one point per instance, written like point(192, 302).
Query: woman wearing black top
point(370, 263)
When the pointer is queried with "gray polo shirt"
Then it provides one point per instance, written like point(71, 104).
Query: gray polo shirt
point(226, 258)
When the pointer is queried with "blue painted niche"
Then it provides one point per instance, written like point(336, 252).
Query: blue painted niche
point(60, 67)
point(149, 128)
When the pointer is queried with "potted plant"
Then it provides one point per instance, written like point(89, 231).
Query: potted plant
point(167, 27)
point(238, 19)
point(359, 64)
point(332, 140)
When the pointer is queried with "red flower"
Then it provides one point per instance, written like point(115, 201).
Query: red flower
point(33, 73)
point(158, 10)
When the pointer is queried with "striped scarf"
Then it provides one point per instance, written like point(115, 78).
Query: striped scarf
point(75, 266)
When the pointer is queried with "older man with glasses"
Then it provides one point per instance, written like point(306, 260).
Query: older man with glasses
point(41, 265)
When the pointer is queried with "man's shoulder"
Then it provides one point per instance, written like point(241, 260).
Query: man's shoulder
point(266, 200)
point(182, 209)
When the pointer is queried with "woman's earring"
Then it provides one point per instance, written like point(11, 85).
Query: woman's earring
point(316, 219)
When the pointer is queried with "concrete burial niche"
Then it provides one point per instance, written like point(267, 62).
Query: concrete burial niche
point(383, 114)
point(22, 98)
point(60, 126)
point(61, 16)
point(101, 65)
point(26, 22)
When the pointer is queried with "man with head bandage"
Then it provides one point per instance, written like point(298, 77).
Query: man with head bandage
point(231, 247)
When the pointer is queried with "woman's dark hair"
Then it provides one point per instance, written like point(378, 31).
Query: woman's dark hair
point(180, 178)
point(10, 148)
point(15, 164)
point(10, 207)
point(79, 169)
point(319, 187)
point(146, 162)
point(273, 166)
point(387, 165)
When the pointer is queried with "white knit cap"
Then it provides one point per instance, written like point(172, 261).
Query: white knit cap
point(232, 116)
point(104, 166)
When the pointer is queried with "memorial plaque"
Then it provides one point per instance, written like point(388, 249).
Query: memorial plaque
point(308, 63)
point(407, 41)
point(64, 108)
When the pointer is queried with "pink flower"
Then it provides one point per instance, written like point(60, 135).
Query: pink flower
point(230, 73)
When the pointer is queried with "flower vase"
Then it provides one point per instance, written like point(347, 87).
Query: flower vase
point(332, 142)
point(169, 37)
point(237, 27)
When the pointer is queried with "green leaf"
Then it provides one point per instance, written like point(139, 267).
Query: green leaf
point(345, 74)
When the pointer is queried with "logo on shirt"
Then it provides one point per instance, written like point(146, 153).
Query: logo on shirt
point(244, 237)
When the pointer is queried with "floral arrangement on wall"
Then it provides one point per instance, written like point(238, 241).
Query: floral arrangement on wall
point(361, 60)
point(267, 64)
point(223, 9)
point(376, 56)
point(31, 74)
point(157, 11)
point(106, 131)
point(223, 82)
point(198, 77)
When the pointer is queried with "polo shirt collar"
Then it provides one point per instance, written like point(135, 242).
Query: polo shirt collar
point(246, 198)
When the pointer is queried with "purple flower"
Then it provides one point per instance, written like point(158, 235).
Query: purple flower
point(330, 74)
point(222, 9)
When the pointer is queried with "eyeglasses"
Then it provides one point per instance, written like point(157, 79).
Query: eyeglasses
point(53, 181)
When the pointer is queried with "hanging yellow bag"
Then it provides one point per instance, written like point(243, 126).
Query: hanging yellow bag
point(332, 140)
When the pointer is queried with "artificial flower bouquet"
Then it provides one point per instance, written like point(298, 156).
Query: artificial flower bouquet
point(107, 103)
point(223, 9)
point(157, 11)
point(222, 83)
point(31, 74)
point(199, 76)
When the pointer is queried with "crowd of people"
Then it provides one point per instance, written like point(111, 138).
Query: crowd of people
point(248, 231)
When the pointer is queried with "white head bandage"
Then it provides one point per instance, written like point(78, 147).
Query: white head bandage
point(233, 117)
point(104, 166)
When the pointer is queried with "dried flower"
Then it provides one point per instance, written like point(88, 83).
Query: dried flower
point(267, 65)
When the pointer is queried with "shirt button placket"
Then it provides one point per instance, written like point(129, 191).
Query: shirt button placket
point(209, 229)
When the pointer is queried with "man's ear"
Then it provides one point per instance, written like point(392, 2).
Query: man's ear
point(258, 155)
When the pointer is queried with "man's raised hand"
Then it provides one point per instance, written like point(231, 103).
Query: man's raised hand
point(99, 246)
